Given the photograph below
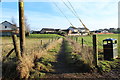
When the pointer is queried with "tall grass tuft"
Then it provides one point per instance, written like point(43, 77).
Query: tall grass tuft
point(85, 52)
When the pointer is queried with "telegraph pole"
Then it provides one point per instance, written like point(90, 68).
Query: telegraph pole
point(22, 26)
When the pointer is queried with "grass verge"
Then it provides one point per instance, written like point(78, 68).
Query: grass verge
point(74, 59)
point(107, 66)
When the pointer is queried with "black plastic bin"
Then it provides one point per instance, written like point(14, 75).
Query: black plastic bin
point(110, 49)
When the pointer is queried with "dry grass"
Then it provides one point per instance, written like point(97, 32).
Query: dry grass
point(34, 50)
point(86, 52)
point(27, 61)
point(31, 44)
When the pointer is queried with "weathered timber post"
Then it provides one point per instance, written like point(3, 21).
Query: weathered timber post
point(76, 39)
point(8, 55)
point(22, 26)
point(82, 42)
point(95, 50)
point(41, 42)
point(16, 46)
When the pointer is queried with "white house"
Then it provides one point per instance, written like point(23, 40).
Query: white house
point(73, 29)
point(83, 31)
point(7, 29)
point(77, 31)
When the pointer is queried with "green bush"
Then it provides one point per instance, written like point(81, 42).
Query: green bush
point(42, 65)
point(106, 66)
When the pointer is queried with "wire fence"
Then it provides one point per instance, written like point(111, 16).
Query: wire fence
point(32, 44)
point(86, 41)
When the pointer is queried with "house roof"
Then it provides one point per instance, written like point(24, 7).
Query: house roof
point(82, 28)
point(47, 29)
point(64, 30)
point(50, 29)
point(7, 22)
point(73, 27)
point(13, 25)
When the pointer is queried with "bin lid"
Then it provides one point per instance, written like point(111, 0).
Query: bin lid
point(109, 39)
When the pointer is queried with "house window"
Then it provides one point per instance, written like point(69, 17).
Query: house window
point(5, 26)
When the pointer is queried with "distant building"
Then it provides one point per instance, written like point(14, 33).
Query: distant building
point(70, 31)
point(105, 31)
point(112, 29)
point(83, 31)
point(49, 31)
point(35, 32)
point(77, 31)
point(7, 29)
point(118, 29)
point(64, 30)
point(73, 29)
point(98, 31)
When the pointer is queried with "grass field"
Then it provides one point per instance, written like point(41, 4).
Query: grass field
point(32, 42)
point(100, 38)
point(44, 36)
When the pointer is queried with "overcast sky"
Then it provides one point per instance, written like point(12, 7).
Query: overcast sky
point(95, 14)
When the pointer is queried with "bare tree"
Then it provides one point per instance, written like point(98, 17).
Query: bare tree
point(27, 26)
point(13, 21)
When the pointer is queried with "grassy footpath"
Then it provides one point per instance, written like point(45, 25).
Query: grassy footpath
point(75, 59)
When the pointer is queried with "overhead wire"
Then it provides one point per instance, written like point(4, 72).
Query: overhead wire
point(74, 12)
point(63, 13)
point(69, 8)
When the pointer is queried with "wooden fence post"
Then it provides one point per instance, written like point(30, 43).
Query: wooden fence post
point(8, 55)
point(76, 39)
point(95, 50)
point(16, 46)
point(82, 42)
point(22, 26)
point(41, 42)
